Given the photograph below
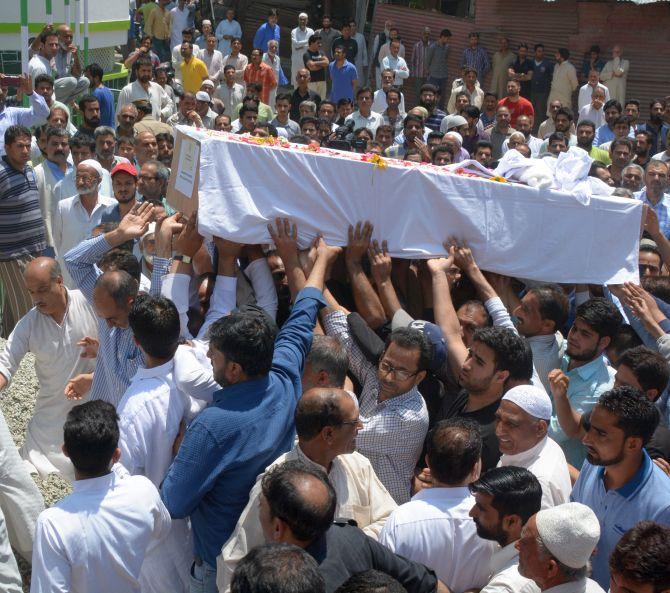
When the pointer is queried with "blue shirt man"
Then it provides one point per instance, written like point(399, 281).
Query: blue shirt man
point(267, 32)
point(343, 76)
point(619, 481)
point(247, 427)
point(34, 115)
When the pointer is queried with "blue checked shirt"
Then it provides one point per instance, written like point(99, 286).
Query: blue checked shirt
point(661, 209)
point(478, 59)
point(393, 430)
point(118, 355)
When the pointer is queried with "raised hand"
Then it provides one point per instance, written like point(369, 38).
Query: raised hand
point(285, 238)
point(134, 224)
point(381, 263)
point(558, 383)
point(359, 241)
point(188, 240)
point(441, 265)
point(25, 84)
point(326, 252)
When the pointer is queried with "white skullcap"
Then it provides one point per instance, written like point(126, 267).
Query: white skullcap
point(570, 532)
point(303, 15)
point(206, 22)
point(456, 135)
point(94, 165)
point(530, 399)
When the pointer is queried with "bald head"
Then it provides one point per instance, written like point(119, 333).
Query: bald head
point(43, 269)
point(318, 408)
point(118, 284)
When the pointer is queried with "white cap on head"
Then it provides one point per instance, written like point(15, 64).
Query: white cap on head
point(203, 96)
point(303, 15)
point(456, 135)
point(94, 165)
point(570, 532)
point(207, 22)
point(530, 399)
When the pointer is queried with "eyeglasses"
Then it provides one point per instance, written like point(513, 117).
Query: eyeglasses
point(351, 422)
point(85, 178)
point(399, 374)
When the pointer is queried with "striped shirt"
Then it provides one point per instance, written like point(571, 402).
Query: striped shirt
point(478, 59)
point(22, 226)
point(118, 355)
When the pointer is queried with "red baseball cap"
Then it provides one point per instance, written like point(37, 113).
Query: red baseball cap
point(125, 168)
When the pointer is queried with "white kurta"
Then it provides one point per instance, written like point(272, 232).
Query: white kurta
point(505, 577)
point(616, 84)
point(275, 64)
point(563, 84)
point(299, 45)
point(150, 413)
point(546, 461)
point(360, 496)
point(499, 77)
point(57, 360)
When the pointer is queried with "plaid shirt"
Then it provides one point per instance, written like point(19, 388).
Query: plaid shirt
point(393, 430)
point(478, 59)
point(118, 355)
point(22, 230)
point(662, 210)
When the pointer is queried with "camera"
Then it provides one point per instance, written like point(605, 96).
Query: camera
point(343, 139)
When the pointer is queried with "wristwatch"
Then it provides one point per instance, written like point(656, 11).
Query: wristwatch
point(187, 259)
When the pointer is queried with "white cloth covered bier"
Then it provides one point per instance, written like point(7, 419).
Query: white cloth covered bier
point(513, 229)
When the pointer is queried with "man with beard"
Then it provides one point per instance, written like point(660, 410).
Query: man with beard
point(505, 499)
point(105, 147)
point(583, 373)
point(618, 480)
point(89, 108)
point(586, 133)
point(522, 71)
point(428, 99)
point(656, 126)
point(75, 217)
point(621, 153)
point(632, 178)
point(124, 183)
point(605, 133)
point(563, 122)
point(52, 170)
point(654, 194)
point(143, 88)
point(642, 148)
point(413, 137)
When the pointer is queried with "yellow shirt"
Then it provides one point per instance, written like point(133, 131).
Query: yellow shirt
point(192, 74)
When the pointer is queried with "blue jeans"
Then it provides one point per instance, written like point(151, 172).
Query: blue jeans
point(203, 578)
point(162, 49)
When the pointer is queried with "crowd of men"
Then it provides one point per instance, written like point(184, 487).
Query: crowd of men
point(261, 418)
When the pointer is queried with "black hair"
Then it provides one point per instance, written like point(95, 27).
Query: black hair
point(637, 103)
point(587, 123)
point(508, 347)
point(313, 414)
point(308, 119)
point(515, 491)
point(313, 38)
point(90, 436)
point(371, 581)
point(445, 33)
point(413, 339)
point(274, 567)
point(306, 519)
point(649, 367)
point(472, 111)
point(54, 131)
point(40, 78)
point(155, 324)
point(658, 286)
point(564, 53)
point(344, 101)
point(642, 555)
point(247, 337)
point(636, 415)
point(410, 117)
point(81, 140)
point(567, 112)
point(600, 315)
point(453, 447)
point(95, 70)
point(625, 339)
point(552, 303)
point(428, 87)
point(612, 103)
point(121, 259)
point(283, 97)
point(483, 144)
point(85, 100)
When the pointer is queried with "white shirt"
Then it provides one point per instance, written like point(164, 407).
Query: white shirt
point(72, 223)
point(161, 104)
point(150, 413)
point(533, 143)
point(57, 360)
point(661, 156)
point(98, 535)
point(399, 66)
point(546, 461)
point(231, 97)
point(505, 577)
point(179, 22)
point(360, 121)
point(586, 91)
point(435, 529)
point(214, 63)
point(547, 351)
point(597, 116)
point(582, 586)
point(226, 27)
point(39, 65)
point(379, 103)
point(67, 187)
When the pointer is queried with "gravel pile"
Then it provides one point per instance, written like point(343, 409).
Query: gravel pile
point(17, 404)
